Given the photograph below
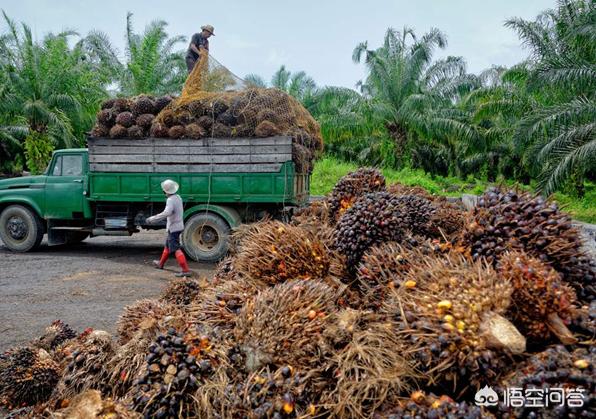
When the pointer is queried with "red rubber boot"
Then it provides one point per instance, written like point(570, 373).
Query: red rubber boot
point(159, 264)
point(182, 262)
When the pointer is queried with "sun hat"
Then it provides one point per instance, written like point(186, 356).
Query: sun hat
point(169, 186)
point(208, 28)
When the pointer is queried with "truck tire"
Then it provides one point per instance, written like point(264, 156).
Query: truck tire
point(205, 237)
point(21, 229)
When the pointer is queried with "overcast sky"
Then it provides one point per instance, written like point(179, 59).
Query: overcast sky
point(316, 36)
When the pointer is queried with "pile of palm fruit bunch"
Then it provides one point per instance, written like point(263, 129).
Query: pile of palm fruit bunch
point(364, 305)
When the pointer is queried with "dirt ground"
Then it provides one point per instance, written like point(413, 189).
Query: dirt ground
point(84, 285)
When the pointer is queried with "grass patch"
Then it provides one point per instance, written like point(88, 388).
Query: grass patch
point(329, 170)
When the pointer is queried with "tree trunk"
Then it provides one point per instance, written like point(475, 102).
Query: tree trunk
point(399, 135)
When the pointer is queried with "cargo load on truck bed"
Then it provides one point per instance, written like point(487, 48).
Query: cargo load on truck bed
point(198, 114)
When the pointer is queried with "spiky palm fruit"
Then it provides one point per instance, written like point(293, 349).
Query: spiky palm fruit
point(161, 102)
point(542, 303)
point(206, 122)
point(374, 219)
point(118, 131)
point(276, 252)
point(100, 130)
point(136, 132)
point(421, 405)
point(182, 291)
point(224, 271)
point(145, 120)
point(177, 131)
point(85, 359)
point(555, 368)
point(106, 117)
point(451, 316)
point(401, 189)
point(369, 371)
point(417, 212)
point(133, 315)
point(158, 130)
point(90, 404)
point(274, 392)
point(55, 335)
point(176, 365)
point(266, 129)
point(220, 306)
point(194, 130)
point(107, 104)
point(447, 221)
point(219, 130)
point(510, 220)
point(227, 118)
point(351, 187)
point(384, 267)
point(280, 326)
point(583, 324)
point(122, 104)
point(316, 212)
point(167, 118)
point(126, 119)
point(142, 105)
point(267, 114)
point(27, 376)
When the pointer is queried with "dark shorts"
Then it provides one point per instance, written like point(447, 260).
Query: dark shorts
point(173, 241)
point(190, 63)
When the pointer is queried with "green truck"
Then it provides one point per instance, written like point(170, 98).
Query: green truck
point(113, 186)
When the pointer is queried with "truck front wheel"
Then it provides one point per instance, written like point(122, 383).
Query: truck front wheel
point(205, 237)
point(20, 228)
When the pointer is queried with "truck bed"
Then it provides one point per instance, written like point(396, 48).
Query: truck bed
point(213, 170)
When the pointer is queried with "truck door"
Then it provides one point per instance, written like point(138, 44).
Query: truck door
point(65, 187)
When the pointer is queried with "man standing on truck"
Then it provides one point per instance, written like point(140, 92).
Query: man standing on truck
point(175, 225)
point(199, 43)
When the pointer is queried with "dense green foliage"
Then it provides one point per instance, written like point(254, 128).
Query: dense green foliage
point(533, 123)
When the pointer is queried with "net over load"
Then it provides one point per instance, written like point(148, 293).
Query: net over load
point(214, 103)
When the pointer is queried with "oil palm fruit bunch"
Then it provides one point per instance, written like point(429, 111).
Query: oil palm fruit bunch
point(374, 219)
point(542, 303)
point(450, 312)
point(448, 219)
point(175, 367)
point(280, 326)
point(430, 406)
point(90, 404)
point(273, 393)
point(142, 105)
point(383, 268)
point(370, 370)
point(84, 362)
point(401, 189)
point(510, 220)
point(28, 376)
point(555, 368)
point(351, 187)
point(583, 323)
point(224, 271)
point(276, 252)
point(182, 291)
point(134, 314)
point(55, 335)
point(317, 212)
point(221, 305)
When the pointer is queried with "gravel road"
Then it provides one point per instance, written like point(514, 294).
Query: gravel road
point(85, 285)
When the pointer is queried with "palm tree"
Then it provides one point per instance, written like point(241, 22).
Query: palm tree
point(254, 81)
point(48, 89)
point(561, 75)
point(300, 85)
point(419, 92)
point(152, 64)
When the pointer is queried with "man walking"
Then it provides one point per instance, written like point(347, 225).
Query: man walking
point(175, 225)
point(198, 43)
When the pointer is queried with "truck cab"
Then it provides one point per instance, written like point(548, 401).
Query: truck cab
point(71, 201)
